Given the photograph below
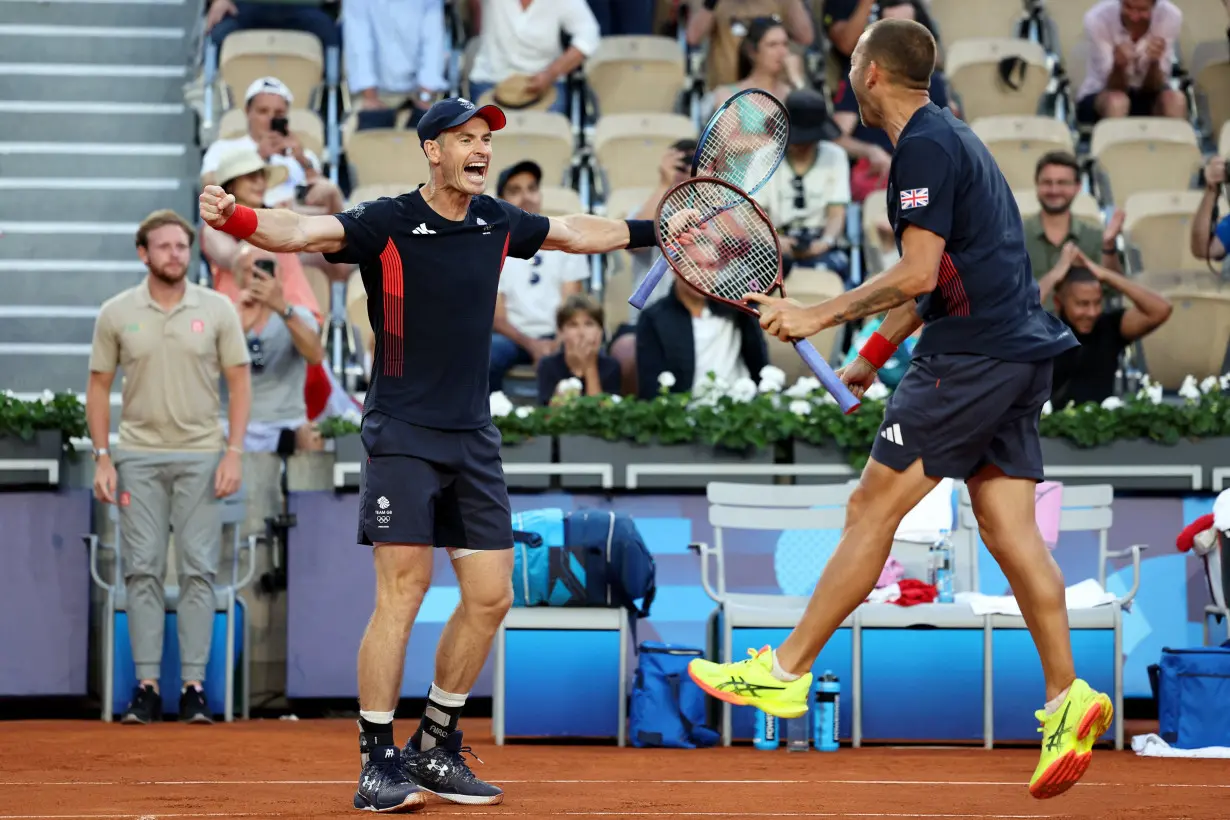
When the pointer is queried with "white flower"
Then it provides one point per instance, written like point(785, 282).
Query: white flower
point(1209, 384)
point(48, 397)
point(500, 405)
point(569, 385)
point(616, 398)
point(775, 377)
point(1224, 381)
point(524, 411)
point(1150, 391)
point(800, 407)
point(666, 379)
point(876, 392)
point(805, 386)
point(1112, 403)
point(1047, 409)
point(768, 386)
point(743, 390)
point(1189, 389)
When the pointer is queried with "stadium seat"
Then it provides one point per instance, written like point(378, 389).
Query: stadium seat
point(294, 57)
point(973, 70)
point(543, 137)
point(1084, 207)
point(1017, 143)
point(808, 286)
point(560, 201)
point(1203, 280)
point(367, 193)
point(1193, 341)
point(1203, 20)
point(629, 147)
point(304, 124)
point(385, 156)
point(875, 211)
point(229, 605)
point(1065, 34)
point(631, 75)
point(967, 19)
point(1157, 225)
point(1144, 154)
point(1210, 71)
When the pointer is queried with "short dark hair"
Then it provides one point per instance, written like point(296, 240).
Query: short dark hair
point(1077, 275)
point(579, 303)
point(1063, 159)
point(904, 49)
point(159, 219)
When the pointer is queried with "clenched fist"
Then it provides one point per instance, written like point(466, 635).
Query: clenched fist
point(216, 206)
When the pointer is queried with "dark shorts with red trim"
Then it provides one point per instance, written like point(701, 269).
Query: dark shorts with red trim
point(959, 412)
point(443, 488)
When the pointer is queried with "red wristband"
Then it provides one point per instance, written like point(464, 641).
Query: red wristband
point(241, 224)
point(878, 350)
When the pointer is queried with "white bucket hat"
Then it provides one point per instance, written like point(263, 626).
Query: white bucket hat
point(244, 161)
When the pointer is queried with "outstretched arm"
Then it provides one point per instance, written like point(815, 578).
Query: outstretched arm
point(278, 230)
point(585, 233)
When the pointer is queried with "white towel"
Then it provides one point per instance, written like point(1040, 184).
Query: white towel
point(922, 525)
point(1154, 746)
point(1085, 595)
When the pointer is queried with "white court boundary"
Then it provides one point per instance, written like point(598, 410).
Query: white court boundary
point(559, 814)
point(773, 782)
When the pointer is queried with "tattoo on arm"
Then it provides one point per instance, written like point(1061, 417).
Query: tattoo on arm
point(877, 300)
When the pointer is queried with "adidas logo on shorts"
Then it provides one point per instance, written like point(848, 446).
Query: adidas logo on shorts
point(892, 433)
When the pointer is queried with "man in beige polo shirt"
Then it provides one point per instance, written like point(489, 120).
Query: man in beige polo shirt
point(173, 340)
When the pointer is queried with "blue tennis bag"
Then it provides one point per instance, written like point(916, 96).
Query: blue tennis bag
point(667, 709)
point(590, 558)
point(1192, 687)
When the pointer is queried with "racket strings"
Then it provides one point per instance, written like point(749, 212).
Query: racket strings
point(746, 142)
point(718, 241)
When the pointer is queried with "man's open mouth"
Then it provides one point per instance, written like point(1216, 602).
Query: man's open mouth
point(476, 172)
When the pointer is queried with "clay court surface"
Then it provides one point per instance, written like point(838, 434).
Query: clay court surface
point(77, 770)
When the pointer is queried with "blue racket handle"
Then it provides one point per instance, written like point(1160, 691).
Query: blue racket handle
point(845, 399)
point(651, 280)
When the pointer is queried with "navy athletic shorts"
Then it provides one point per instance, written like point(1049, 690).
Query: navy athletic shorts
point(959, 412)
point(443, 488)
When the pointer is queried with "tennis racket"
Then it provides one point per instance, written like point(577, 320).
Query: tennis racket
point(743, 143)
point(722, 244)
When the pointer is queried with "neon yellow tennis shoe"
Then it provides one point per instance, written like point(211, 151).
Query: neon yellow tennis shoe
point(1068, 736)
point(751, 683)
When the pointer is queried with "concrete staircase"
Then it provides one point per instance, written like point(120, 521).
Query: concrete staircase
point(94, 135)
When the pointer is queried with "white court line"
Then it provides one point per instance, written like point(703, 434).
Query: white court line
point(565, 814)
point(991, 783)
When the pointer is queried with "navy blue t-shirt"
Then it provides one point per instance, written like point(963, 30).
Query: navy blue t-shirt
point(431, 287)
point(944, 180)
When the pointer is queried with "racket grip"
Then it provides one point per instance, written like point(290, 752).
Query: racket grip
point(845, 399)
point(651, 280)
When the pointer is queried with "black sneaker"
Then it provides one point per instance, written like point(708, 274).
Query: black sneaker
point(193, 708)
point(145, 706)
point(444, 772)
point(383, 785)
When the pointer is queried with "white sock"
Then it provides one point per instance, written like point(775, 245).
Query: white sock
point(782, 674)
point(1052, 706)
point(376, 717)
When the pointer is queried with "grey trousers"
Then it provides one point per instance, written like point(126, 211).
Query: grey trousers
point(160, 493)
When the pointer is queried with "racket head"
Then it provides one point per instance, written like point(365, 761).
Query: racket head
point(744, 141)
point(718, 241)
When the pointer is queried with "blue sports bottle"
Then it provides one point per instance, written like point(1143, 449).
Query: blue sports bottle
point(942, 555)
point(766, 736)
point(826, 713)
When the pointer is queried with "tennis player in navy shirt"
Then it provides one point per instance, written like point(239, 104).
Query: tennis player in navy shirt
point(967, 408)
point(430, 261)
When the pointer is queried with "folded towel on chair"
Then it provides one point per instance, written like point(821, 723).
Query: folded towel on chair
point(1085, 595)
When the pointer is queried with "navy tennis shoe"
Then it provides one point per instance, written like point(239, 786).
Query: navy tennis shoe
point(444, 772)
point(383, 785)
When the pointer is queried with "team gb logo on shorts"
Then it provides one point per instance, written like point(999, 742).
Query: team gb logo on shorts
point(914, 198)
point(383, 514)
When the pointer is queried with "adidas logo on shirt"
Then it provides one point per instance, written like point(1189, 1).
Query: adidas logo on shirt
point(422, 229)
point(892, 433)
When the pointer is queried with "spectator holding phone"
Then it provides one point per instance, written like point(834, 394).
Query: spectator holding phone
point(578, 322)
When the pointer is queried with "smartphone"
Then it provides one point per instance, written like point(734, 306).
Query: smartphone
point(281, 125)
point(265, 266)
point(301, 192)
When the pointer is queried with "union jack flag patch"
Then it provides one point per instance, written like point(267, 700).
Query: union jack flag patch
point(915, 198)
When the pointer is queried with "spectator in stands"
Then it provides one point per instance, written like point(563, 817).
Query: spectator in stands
point(616, 17)
point(764, 63)
point(1131, 52)
point(807, 197)
point(689, 336)
point(267, 103)
point(393, 53)
point(173, 340)
point(1087, 373)
point(283, 337)
point(579, 323)
point(227, 16)
point(675, 167)
point(724, 23)
point(845, 21)
point(530, 289)
point(520, 54)
point(1053, 230)
point(1209, 241)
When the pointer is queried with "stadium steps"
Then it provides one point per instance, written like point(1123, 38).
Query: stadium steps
point(93, 136)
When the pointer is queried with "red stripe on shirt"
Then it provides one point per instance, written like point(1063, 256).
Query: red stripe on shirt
point(953, 288)
point(504, 253)
point(394, 310)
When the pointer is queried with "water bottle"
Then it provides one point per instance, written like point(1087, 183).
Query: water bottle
point(766, 736)
point(798, 730)
point(942, 553)
point(826, 714)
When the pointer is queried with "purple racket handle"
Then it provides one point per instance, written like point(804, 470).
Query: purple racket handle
point(651, 280)
point(845, 399)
